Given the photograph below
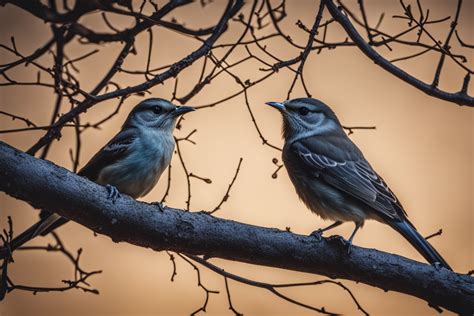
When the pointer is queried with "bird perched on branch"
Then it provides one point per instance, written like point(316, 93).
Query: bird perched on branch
point(332, 177)
point(131, 163)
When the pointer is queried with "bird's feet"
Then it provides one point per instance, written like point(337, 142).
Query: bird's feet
point(349, 246)
point(437, 265)
point(341, 241)
point(161, 206)
point(337, 238)
point(114, 193)
point(318, 234)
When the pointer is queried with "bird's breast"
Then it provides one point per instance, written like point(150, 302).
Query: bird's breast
point(149, 155)
point(318, 195)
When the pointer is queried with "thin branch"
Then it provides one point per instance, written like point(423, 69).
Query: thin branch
point(438, 233)
point(459, 98)
point(231, 9)
point(226, 195)
point(200, 284)
point(273, 288)
point(350, 129)
point(20, 118)
point(462, 42)
point(229, 299)
point(168, 186)
point(254, 121)
point(446, 44)
point(188, 177)
point(80, 280)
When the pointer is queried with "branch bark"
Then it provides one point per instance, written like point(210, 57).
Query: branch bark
point(45, 185)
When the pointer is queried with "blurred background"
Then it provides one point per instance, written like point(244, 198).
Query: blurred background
point(422, 146)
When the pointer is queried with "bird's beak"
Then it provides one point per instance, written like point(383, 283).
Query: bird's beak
point(180, 110)
point(277, 105)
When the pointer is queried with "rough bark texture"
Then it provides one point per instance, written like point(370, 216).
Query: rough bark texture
point(45, 185)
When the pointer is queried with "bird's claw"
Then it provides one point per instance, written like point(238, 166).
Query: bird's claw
point(114, 194)
point(318, 234)
point(349, 247)
point(339, 239)
point(345, 243)
point(437, 265)
point(160, 206)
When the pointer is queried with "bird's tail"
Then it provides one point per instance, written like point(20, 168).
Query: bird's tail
point(410, 233)
point(42, 227)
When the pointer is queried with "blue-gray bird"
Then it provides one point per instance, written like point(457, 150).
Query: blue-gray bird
point(334, 180)
point(131, 163)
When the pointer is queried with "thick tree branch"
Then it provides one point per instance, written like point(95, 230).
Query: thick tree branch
point(44, 185)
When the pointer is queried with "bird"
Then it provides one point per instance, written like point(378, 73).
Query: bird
point(334, 180)
point(130, 163)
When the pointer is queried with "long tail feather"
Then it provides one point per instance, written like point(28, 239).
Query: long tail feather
point(421, 244)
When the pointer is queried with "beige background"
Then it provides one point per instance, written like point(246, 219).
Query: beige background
point(423, 147)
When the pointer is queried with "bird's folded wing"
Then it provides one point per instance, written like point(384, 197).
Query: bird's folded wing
point(114, 150)
point(354, 176)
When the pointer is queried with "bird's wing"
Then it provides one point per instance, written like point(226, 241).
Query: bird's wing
point(114, 150)
point(351, 174)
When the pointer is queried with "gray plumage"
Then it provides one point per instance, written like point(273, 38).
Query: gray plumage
point(332, 176)
point(135, 158)
point(132, 161)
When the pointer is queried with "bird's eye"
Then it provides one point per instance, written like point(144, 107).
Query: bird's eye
point(303, 111)
point(157, 109)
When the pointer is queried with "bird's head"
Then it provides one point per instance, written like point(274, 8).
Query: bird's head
point(156, 113)
point(306, 117)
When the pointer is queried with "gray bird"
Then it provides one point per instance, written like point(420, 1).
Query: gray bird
point(334, 180)
point(131, 163)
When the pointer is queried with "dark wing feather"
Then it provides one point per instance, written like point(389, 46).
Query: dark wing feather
point(114, 150)
point(354, 176)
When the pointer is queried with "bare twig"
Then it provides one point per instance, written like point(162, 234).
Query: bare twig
point(226, 195)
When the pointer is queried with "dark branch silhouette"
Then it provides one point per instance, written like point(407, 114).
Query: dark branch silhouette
point(255, 25)
point(84, 202)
